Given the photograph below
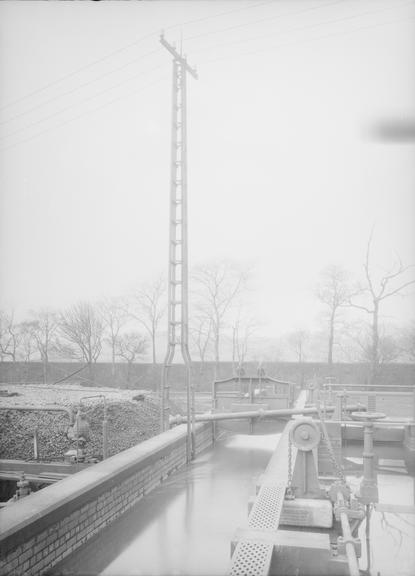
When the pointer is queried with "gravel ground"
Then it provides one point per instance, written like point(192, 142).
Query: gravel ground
point(61, 394)
point(129, 421)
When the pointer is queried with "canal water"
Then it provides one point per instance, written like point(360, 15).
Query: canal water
point(185, 526)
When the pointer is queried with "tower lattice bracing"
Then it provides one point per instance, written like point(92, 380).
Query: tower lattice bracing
point(178, 293)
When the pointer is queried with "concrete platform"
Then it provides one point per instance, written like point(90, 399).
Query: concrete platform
point(308, 512)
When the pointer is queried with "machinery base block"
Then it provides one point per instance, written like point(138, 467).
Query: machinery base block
point(308, 512)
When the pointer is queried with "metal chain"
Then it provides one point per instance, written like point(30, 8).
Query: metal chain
point(337, 468)
point(289, 492)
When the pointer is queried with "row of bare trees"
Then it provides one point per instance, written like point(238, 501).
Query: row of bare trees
point(126, 328)
point(83, 330)
point(338, 292)
point(220, 311)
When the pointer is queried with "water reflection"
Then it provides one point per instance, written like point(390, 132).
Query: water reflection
point(388, 538)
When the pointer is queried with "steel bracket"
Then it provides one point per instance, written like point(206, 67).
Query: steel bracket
point(341, 545)
point(338, 487)
point(351, 512)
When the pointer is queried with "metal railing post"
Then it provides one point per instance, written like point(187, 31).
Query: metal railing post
point(348, 539)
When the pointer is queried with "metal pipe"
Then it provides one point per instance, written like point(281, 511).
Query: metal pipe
point(253, 414)
point(282, 412)
point(373, 393)
point(368, 386)
point(104, 423)
point(35, 444)
point(347, 537)
point(377, 424)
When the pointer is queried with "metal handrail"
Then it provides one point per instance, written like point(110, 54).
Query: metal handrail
point(283, 412)
point(374, 386)
point(104, 423)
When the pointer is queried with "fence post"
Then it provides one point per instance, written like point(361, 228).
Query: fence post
point(35, 444)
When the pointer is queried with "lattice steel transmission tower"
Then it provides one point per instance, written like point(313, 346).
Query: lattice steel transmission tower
point(178, 295)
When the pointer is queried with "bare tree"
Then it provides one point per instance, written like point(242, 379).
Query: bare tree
point(334, 291)
point(377, 291)
point(147, 306)
point(114, 315)
point(297, 341)
point(27, 342)
point(389, 349)
point(217, 288)
point(201, 336)
point(408, 342)
point(82, 328)
point(242, 331)
point(359, 344)
point(9, 336)
point(44, 326)
point(129, 347)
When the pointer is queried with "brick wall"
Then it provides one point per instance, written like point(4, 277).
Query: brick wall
point(40, 530)
point(147, 376)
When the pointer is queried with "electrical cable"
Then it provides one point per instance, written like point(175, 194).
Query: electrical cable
point(299, 42)
point(206, 62)
point(299, 29)
point(107, 74)
point(80, 102)
point(267, 19)
point(122, 49)
point(77, 71)
point(88, 83)
point(63, 94)
point(23, 113)
point(97, 108)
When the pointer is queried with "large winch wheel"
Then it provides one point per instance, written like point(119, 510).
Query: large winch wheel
point(305, 434)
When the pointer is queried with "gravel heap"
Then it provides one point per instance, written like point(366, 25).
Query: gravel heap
point(129, 423)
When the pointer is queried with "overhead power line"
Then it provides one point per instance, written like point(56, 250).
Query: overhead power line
point(301, 28)
point(77, 71)
point(304, 41)
point(238, 56)
point(123, 48)
point(86, 113)
point(117, 69)
point(89, 82)
point(62, 110)
point(266, 19)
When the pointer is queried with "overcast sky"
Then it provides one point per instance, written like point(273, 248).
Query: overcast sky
point(285, 174)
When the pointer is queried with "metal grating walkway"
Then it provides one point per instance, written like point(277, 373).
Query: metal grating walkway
point(253, 556)
point(251, 559)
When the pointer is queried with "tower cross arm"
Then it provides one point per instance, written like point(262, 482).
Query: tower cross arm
point(178, 56)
